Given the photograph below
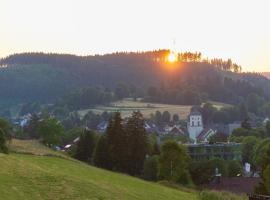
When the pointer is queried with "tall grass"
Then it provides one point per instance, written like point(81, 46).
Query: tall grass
point(215, 195)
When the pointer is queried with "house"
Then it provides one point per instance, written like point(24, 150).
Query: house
point(176, 130)
point(150, 127)
point(75, 141)
point(24, 120)
point(195, 124)
point(234, 126)
point(266, 120)
point(102, 126)
point(205, 135)
point(225, 129)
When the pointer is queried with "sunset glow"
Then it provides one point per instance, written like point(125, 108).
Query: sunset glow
point(97, 27)
point(172, 57)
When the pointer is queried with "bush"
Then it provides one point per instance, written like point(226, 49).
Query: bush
point(201, 172)
point(173, 163)
point(150, 168)
point(220, 164)
point(215, 195)
point(234, 168)
point(51, 131)
point(3, 142)
point(266, 177)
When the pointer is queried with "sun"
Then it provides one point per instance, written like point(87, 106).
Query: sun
point(172, 57)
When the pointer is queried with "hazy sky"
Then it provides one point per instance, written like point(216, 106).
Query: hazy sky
point(237, 29)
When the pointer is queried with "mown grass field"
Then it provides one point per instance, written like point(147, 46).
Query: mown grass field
point(33, 147)
point(127, 106)
point(29, 177)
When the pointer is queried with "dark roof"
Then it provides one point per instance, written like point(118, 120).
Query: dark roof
point(221, 144)
point(203, 134)
point(177, 131)
point(236, 184)
point(195, 110)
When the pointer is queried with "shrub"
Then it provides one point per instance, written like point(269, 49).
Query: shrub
point(3, 142)
point(173, 163)
point(234, 168)
point(215, 195)
point(150, 168)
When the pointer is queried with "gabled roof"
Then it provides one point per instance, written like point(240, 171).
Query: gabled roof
point(207, 132)
point(177, 130)
point(102, 125)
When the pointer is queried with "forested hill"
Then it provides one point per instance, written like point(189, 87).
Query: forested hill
point(266, 74)
point(39, 77)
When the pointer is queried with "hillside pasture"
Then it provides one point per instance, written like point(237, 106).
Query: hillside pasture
point(50, 178)
point(33, 147)
point(127, 106)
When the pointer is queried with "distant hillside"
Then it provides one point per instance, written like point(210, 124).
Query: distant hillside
point(38, 77)
point(266, 74)
point(46, 177)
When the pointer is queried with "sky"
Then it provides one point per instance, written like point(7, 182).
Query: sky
point(236, 29)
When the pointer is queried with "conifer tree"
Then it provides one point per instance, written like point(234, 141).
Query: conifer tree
point(101, 156)
point(137, 143)
point(116, 142)
point(86, 146)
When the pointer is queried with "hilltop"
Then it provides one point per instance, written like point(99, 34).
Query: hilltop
point(44, 78)
point(266, 74)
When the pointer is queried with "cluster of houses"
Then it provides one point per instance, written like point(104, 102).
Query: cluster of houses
point(199, 132)
point(195, 129)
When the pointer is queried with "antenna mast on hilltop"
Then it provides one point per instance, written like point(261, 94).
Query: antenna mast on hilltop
point(173, 49)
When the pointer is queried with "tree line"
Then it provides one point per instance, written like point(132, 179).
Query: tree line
point(255, 147)
point(126, 147)
point(44, 78)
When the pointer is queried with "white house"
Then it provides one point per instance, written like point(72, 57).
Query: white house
point(195, 124)
point(266, 120)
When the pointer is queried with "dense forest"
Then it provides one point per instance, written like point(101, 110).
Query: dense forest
point(47, 78)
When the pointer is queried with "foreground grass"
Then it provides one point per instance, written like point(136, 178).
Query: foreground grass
point(42, 177)
point(33, 147)
point(215, 195)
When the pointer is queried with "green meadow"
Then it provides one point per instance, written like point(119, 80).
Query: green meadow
point(33, 177)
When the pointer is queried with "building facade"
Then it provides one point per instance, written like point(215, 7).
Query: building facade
point(226, 151)
point(195, 124)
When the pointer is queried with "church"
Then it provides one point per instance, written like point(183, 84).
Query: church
point(195, 127)
point(195, 124)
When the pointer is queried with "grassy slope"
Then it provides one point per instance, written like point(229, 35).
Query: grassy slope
point(24, 176)
point(33, 147)
point(42, 177)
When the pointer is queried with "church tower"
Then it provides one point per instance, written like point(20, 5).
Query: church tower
point(195, 124)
